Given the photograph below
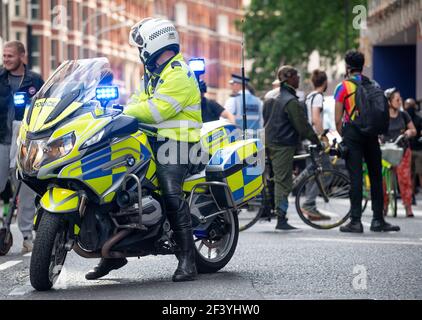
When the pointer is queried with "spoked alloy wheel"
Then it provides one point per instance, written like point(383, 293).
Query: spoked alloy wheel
point(215, 251)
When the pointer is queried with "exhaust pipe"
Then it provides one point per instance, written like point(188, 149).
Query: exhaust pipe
point(106, 250)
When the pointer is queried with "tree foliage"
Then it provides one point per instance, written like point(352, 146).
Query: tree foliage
point(287, 31)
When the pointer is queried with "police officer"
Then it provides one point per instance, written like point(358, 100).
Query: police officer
point(15, 77)
point(253, 105)
point(171, 103)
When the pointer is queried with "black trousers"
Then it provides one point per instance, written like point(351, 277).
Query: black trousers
point(173, 165)
point(368, 148)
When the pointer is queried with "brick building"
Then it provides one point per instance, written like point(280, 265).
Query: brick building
point(70, 29)
point(392, 43)
point(207, 29)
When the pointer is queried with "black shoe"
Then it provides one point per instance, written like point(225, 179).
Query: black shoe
point(352, 227)
point(282, 225)
point(379, 225)
point(104, 267)
point(186, 269)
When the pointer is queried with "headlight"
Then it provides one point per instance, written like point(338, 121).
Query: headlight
point(36, 153)
point(93, 140)
point(57, 149)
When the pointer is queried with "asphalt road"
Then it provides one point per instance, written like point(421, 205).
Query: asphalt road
point(310, 264)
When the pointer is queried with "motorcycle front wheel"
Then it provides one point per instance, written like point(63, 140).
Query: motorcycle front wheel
point(215, 251)
point(49, 252)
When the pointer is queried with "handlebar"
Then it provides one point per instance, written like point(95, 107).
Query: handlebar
point(399, 138)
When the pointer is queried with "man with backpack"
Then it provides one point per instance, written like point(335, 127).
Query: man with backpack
point(361, 114)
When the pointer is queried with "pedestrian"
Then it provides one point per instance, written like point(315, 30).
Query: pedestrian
point(170, 102)
point(16, 77)
point(315, 108)
point(274, 92)
point(285, 124)
point(211, 110)
point(400, 123)
point(415, 145)
point(253, 105)
point(360, 144)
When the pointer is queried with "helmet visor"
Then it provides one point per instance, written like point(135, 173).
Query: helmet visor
point(135, 38)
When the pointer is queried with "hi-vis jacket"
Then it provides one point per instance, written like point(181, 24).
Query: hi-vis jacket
point(171, 102)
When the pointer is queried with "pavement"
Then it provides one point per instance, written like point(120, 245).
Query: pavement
point(267, 265)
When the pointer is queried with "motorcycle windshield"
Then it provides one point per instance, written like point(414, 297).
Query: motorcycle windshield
point(72, 85)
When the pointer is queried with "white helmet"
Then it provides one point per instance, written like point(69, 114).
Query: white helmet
point(152, 37)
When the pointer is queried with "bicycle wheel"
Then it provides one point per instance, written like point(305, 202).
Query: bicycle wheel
point(324, 205)
point(392, 194)
point(252, 212)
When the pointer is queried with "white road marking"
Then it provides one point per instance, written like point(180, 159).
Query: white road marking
point(366, 241)
point(9, 264)
point(22, 290)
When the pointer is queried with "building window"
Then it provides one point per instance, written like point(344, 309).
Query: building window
point(69, 14)
point(18, 6)
point(181, 14)
point(53, 12)
point(54, 54)
point(70, 52)
point(19, 36)
point(35, 9)
point(223, 25)
point(99, 27)
point(36, 53)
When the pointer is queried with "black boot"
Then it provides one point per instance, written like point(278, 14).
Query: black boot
point(380, 225)
point(186, 269)
point(282, 224)
point(104, 267)
point(181, 224)
point(352, 227)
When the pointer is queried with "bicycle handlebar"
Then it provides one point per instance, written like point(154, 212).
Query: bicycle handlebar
point(399, 138)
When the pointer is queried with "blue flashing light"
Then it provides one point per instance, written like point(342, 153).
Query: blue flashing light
point(20, 99)
point(107, 93)
point(197, 65)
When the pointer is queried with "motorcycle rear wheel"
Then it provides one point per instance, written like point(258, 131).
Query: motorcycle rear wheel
point(213, 255)
point(49, 252)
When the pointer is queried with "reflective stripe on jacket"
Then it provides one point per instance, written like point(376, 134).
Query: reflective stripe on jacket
point(171, 103)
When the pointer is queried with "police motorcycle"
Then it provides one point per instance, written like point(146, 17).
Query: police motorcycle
point(94, 172)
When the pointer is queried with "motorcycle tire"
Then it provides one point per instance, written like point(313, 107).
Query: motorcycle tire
point(49, 252)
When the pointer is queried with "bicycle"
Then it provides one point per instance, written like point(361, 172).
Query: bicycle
point(392, 155)
point(330, 189)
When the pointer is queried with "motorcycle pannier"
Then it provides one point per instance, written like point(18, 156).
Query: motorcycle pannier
point(240, 165)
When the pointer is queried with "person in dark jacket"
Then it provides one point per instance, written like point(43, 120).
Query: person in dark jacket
point(211, 110)
point(15, 77)
point(285, 125)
